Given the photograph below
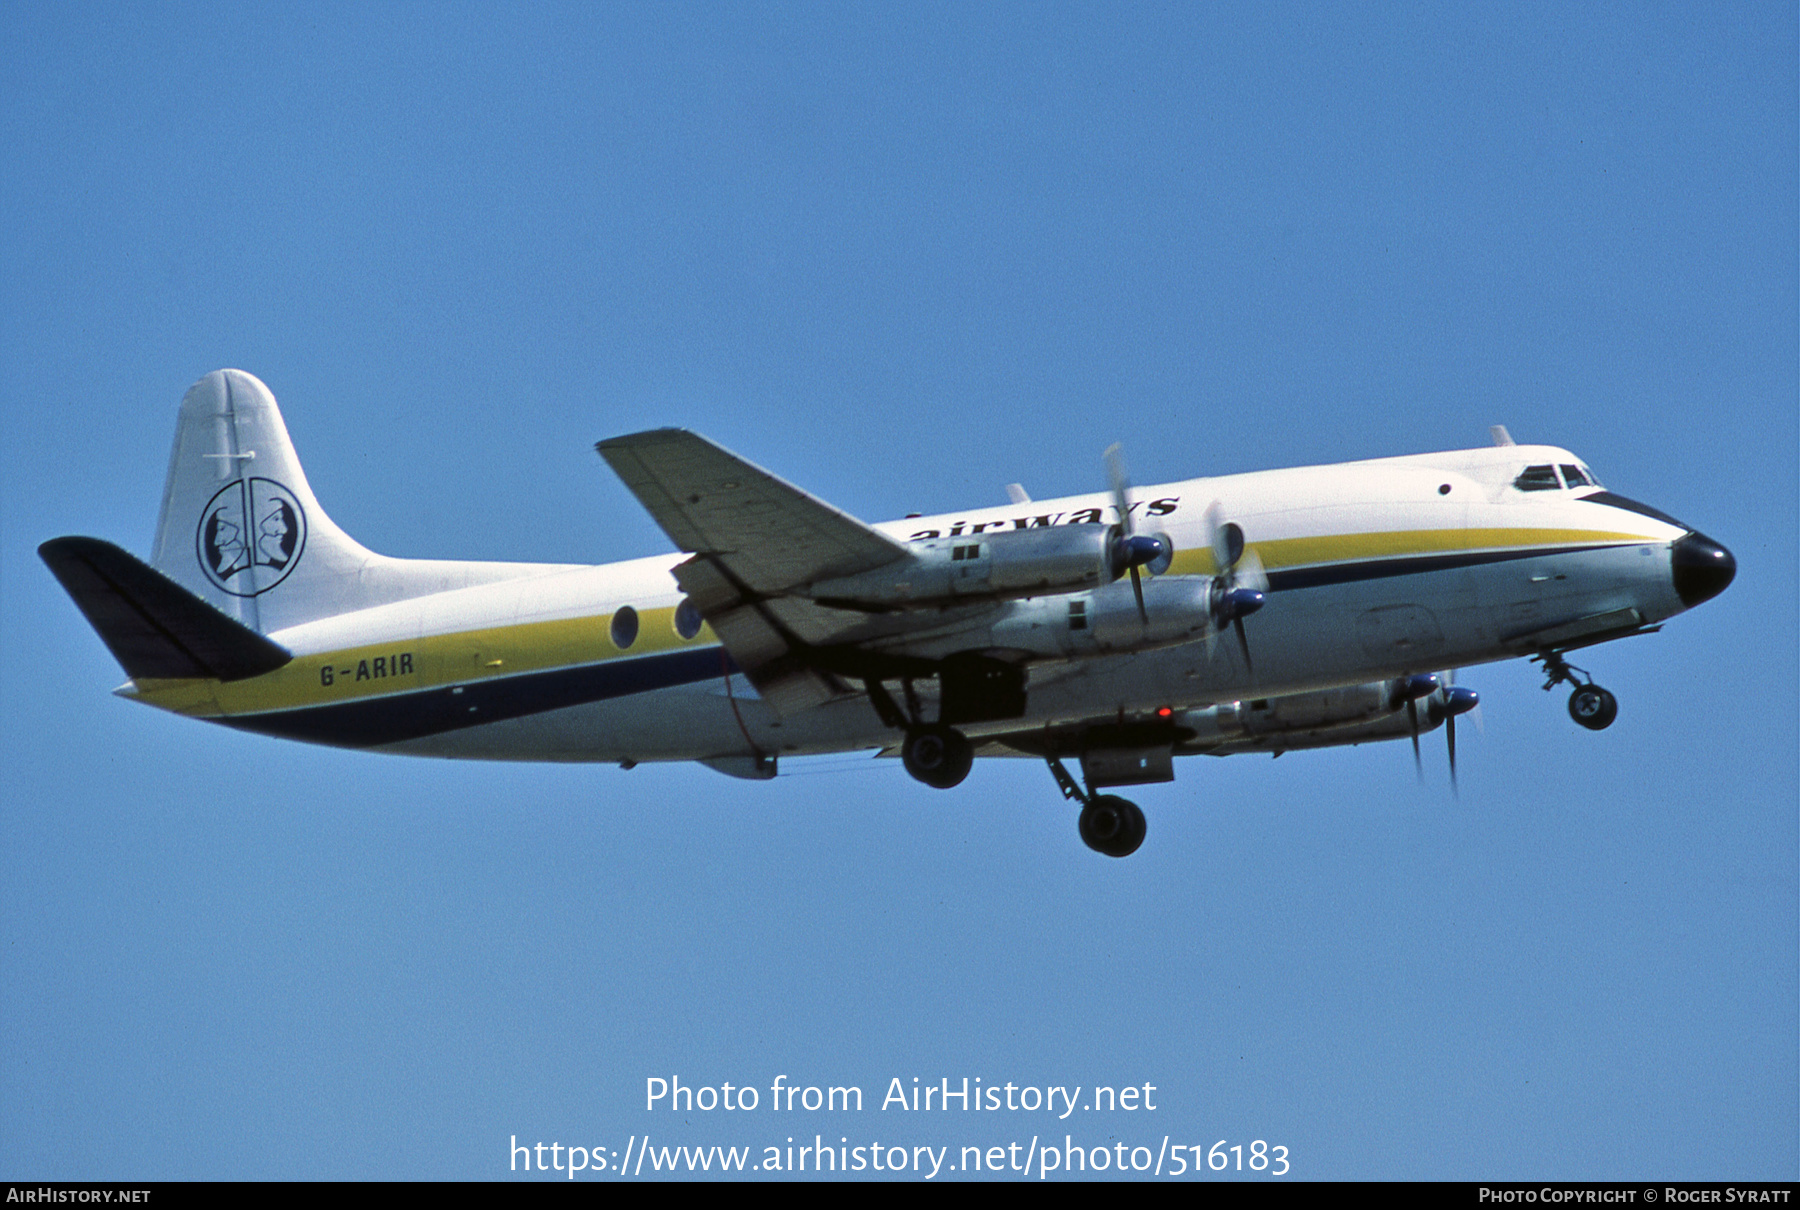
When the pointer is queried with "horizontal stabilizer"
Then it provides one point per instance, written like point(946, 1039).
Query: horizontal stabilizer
point(154, 626)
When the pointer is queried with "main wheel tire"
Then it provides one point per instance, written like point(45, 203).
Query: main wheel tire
point(1112, 825)
point(1593, 707)
point(938, 756)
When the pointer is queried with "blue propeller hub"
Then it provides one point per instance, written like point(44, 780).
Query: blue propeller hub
point(1421, 685)
point(1240, 603)
point(1136, 551)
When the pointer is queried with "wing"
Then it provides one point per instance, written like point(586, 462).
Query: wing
point(755, 538)
point(763, 532)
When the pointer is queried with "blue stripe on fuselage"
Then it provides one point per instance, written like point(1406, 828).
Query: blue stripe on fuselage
point(372, 722)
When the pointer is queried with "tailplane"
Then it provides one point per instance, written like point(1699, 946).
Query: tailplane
point(154, 628)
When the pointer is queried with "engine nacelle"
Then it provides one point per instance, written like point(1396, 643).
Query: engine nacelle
point(1375, 710)
point(1177, 609)
point(1003, 564)
point(1101, 621)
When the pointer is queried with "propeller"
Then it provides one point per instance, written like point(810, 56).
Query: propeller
point(1444, 699)
point(1412, 689)
point(1241, 585)
point(1132, 551)
point(1457, 700)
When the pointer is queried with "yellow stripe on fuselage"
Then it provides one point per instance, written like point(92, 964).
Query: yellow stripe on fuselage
point(405, 665)
point(1326, 549)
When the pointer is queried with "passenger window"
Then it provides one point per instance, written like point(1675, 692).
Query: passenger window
point(687, 619)
point(1537, 479)
point(624, 627)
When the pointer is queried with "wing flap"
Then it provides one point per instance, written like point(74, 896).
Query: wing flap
point(772, 661)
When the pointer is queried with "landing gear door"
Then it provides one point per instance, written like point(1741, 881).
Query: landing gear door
point(1135, 766)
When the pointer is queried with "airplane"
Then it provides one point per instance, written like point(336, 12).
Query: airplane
point(1282, 610)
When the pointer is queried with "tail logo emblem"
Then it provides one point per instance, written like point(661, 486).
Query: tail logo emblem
point(251, 535)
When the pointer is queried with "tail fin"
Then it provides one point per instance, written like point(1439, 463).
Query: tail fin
point(241, 529)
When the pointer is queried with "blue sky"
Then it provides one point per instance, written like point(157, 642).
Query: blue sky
point(902, 255)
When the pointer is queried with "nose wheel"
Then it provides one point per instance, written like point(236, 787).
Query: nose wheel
point(1589, 705)
point(1593, 707)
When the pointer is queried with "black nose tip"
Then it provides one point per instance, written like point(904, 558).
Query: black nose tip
point(1702, 569)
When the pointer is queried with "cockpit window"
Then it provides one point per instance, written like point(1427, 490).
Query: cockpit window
point(1574, 476)
point(1537, 479)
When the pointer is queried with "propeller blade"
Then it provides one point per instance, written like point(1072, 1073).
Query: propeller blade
point(1457, 700)
point(1137, 586)
point(1450, 736)
point(1412, 717)
point(1249, 571)
point(1243, 642)
point(1121, 486)
point(1215, 538)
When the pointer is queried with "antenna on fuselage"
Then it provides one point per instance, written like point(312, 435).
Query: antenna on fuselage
point(1500, 435)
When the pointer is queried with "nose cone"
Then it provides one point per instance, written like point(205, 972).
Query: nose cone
point(1703, 569)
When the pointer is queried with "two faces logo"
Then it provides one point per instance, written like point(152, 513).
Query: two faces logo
point(251, 535)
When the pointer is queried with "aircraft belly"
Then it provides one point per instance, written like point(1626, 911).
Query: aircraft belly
point(678, 723)
point(689, 722)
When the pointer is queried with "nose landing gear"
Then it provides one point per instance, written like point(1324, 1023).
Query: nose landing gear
point(1593, 707)
point(1589, 705)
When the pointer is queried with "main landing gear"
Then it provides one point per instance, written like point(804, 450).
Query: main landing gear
point(1589, 705)
point(937, 755)
point(934, 753)
point(940, 756)
point(1109, 824)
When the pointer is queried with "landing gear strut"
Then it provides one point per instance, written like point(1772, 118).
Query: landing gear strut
point(1109, 824)
point(1589, 705)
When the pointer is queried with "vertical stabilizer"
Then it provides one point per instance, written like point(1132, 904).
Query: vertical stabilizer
point(241, 529)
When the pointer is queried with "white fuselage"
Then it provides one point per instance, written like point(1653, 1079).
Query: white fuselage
point(1377, 569)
